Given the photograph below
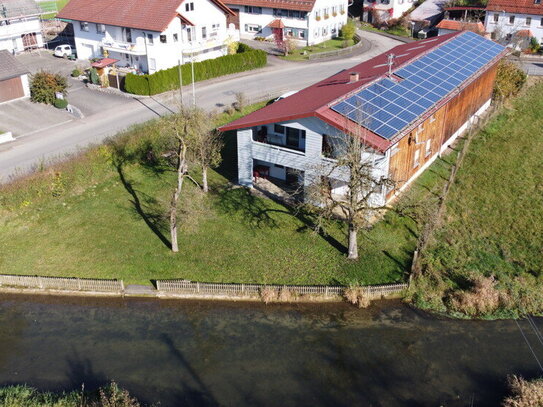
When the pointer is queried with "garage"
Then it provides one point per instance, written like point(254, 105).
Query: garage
point(13, 78)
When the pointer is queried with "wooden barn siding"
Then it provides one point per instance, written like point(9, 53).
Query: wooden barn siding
point(448, 120)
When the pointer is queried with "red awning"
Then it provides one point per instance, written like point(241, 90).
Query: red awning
point(104, 62)
point(277, 23)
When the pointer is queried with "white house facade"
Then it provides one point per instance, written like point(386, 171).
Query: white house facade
point(306, 21)
point(175, 31)
point(512, 21)
point(20, 25)
point(385, 9)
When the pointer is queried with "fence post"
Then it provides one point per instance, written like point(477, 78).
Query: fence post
point(197, 287)
point(40, 283)
point(79, 284)
point(158, 285)
point(326, 292)
point(242, 288)
point(122, 285)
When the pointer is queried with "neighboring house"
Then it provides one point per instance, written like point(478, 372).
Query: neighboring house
point(150, 35)
point(416, 104)
point(20, 25)
point(13, 78)
point(383, 10)
point(513, 22)
point(451, 26)
point(426, 16)
point(307, 21)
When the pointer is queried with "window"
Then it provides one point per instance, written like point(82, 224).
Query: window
point(294, 136)
point(189, 6)
point(126, 56)
point(528, 21)
point(189, 34)
point(152, 64)
point(150, 40)
point(327, 149)
point(204, 33)
point(127, 34)
point(100, 28)
point(537, 1)
point(163, 38)
point(428, 147)
point(175, 38)
point(253, 10)
point(416, 158)
point(252, 28)
point(496, 17)
point(385, 1)
point(279, 129)
point(302, 34)
point(84, 26)
point(541, 22)
point(511, 19)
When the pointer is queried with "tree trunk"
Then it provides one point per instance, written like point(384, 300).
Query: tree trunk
point(353, 242)
point(204, 179)
point(181, 168)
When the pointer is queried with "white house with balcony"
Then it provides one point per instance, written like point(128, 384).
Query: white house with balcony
point(306, 21)
point(150, 35)
point(20, 25)
point(515, 22)
point(384, 9)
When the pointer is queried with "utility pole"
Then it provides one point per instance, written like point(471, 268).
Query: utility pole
point(193, 88)
point(180, 81)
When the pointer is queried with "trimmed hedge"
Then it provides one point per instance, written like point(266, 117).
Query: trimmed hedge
point(245, 59)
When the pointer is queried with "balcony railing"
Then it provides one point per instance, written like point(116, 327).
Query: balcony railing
point(277, 141)
point(122, 46)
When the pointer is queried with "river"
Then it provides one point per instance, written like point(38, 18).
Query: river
point(188, 353)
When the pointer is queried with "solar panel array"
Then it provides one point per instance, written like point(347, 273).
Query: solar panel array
point(389, 106)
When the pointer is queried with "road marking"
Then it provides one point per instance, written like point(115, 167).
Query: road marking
point(44, 129)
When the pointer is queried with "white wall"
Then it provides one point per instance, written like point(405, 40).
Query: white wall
point(398, 6)
point(505, 27)
point(10, 35)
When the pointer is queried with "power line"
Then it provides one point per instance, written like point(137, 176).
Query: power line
point(536, 329)
point(529, 346)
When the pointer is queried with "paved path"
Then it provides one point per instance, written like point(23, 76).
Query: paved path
point(40, 147)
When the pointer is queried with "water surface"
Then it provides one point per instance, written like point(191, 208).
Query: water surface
point(185, 353)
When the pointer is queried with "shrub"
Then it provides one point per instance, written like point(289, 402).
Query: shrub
point(348, 31)
point(240, 102)
point(358, 296)
point(93, 75)
point(482, 299)
point(61, 103)
point(44, 85)
point(268, 294)
point(534, 44)
point(509, 80)
point(168, 79)
point(76, 73)
point(524, 393)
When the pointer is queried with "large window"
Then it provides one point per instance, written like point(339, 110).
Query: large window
point(253, 10)
point(294, 137)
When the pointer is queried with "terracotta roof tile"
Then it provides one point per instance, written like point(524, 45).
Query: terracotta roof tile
point(461, 25)
point(302, 5)
point(277, 23)
point(515, 6)
point(152, 15)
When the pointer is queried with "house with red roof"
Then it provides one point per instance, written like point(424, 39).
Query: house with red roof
point(447, 26)
point(307, 22)
point(150, 35)
point(514, 22)
point(408, 105)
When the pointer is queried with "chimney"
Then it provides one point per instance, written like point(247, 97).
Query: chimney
point(353, 77)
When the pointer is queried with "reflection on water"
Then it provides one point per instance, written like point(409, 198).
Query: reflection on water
point(208, 353)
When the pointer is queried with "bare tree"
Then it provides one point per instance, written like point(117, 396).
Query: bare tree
point(354, 168)
point(182, 130)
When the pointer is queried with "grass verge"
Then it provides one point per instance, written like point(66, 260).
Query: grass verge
point(302, 54)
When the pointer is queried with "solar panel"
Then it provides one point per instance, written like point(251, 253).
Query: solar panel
point(387, 107)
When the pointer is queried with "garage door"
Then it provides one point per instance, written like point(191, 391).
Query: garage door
point(11, 89)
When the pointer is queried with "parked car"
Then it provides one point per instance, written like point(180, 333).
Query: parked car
point(63, 51)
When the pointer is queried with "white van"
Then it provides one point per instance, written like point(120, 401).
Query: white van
point(63, 51)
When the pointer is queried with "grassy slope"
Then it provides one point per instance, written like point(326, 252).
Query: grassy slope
point(494, 220)
point(330, 45)
point(83, 222)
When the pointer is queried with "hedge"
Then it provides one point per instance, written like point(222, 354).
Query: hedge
point(245, 59)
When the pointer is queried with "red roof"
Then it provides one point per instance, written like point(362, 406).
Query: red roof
point(515, 6)
point(456, 25)
point(315, 100)
point(152, 15)
point(302, 5)
point(104, 62)
point(277, 23)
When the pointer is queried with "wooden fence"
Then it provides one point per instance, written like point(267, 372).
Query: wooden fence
point(61, 283)
point(255, 290)
point(339, 52)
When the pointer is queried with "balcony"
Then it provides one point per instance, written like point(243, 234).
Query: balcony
point(122, 46)
point(290, 144)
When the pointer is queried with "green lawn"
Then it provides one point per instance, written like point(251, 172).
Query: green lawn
point(52, 5)
point(494, 219)
point(84, 218)
point(396, 30)
point(302, 54)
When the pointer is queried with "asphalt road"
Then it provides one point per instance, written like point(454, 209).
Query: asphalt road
point(117, 113)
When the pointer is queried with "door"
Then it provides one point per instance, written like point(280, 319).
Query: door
point(11, 89)
point(233, 19)
point(278, 34)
